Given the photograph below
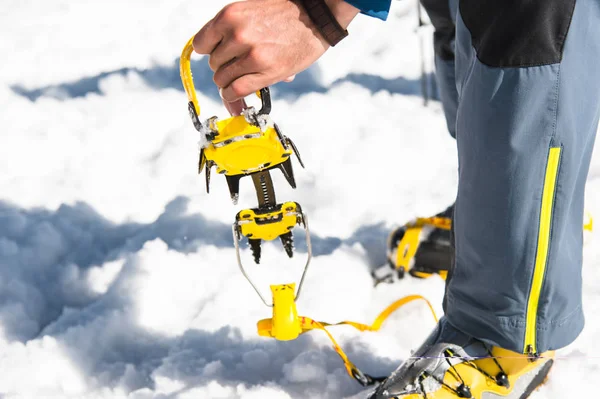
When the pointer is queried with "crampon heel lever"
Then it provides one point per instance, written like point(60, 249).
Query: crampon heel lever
point(285, 324)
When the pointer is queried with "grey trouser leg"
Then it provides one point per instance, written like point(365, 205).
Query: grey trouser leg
point(446, 83)
point(442, 14)
point(529, 103)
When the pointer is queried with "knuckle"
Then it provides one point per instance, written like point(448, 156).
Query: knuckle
point(229, 13)
point(199, 39)
point(238, 35)
point(260, 57)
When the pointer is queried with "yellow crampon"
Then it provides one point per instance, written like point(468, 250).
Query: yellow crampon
point(405, 251)
point(408, 245)
point(268, 225)
point(242, 144)
point(286, 325)
point(251, 145)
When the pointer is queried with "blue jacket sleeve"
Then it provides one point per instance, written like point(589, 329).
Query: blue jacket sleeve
point(374, 8)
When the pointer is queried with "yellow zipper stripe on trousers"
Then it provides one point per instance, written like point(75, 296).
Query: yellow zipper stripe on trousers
point(541, 258)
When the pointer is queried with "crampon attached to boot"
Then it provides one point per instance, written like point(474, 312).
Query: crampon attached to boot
point(423, 248)
point(420, 248)
point(452, 365)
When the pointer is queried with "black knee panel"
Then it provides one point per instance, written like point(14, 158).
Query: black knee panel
point(441, 19)
point(518, 33)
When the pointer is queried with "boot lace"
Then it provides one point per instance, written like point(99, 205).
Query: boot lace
point(462, 390)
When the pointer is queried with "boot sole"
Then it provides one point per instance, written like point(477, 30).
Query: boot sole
point(540, 379)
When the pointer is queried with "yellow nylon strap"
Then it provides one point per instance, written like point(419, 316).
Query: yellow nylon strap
point(409, 244)
point(350, 367)
point(309, 324)
point(436, 221)
point(589, 223)
point(185, 70)
point(407, 248)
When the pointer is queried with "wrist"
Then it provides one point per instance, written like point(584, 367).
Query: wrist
point(329, 18)
point(343, 12)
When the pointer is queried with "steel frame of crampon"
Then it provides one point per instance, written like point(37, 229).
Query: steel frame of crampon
point(236, 243)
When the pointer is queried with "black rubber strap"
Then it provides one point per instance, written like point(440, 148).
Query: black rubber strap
point(324, 20)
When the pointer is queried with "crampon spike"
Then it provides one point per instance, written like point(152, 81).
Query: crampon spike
point(256, 249)
point(207, 175)
point(288, 172)
point(233, 182)
point(288, 243)
point(295, 149)
point(201, 161)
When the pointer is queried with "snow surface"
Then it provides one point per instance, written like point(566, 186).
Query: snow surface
point(117, 273)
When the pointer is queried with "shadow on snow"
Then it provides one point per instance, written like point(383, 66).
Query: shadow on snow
point(43, 253)
point(163, 77)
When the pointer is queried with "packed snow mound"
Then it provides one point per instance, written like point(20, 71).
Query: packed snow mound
point(118, 277)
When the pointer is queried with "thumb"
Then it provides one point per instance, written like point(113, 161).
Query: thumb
point(235, 108)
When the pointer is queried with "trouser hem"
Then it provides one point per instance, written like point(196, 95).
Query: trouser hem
point(509, 332)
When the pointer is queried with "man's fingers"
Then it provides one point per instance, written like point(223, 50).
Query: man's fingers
point(225, 52)
point(235, 108)
point(244, 86)
point(253, 44)
point(207, 39)
point(234, 70)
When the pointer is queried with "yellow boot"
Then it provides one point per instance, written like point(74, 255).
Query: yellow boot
point(451, 365)
point(421, 247)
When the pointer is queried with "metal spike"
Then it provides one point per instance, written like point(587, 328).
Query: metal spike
point(234, 187)
point(287, 240)
point(201, 161)
point(280, 136)
point(208, 166)
point(288, 172)
point(295, 151)
point(255, 247)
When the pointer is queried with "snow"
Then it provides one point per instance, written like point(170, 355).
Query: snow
point(117, 273)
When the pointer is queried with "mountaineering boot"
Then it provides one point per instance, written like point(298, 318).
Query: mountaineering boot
point(421, 247)
point(451, 365)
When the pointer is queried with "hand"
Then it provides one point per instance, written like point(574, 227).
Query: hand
point(256, 43)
